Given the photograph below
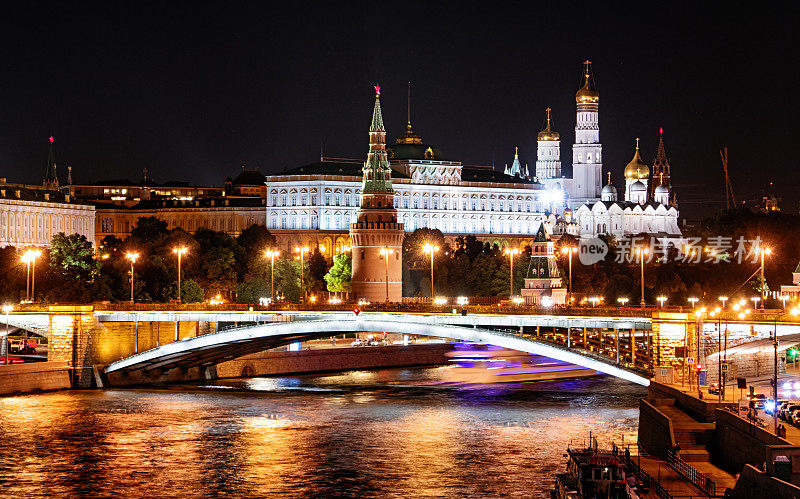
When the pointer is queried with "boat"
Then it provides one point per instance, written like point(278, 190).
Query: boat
point(482, 363)
point(593, 473)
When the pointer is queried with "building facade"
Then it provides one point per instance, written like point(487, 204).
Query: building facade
point(32, 215)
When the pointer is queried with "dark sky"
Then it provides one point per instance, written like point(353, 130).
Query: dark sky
point(192, 92)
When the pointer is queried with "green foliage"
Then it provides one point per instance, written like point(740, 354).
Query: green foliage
point(251, 290)
point(73, 257)
point(338, 278)
point(287, 278)
point(317, 268)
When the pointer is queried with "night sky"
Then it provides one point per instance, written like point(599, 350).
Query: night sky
point(193, 92)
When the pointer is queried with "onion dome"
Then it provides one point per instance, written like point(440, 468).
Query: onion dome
point(609, 190)
point(548, 133)
point(661, 190)
point(587, 94)
point(637, 168)
point(638, 186)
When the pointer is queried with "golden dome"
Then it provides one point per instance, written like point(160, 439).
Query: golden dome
point(637, 168)
point(548, 133)
point(586, 94)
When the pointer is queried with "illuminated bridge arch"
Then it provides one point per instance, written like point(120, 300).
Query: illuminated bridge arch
point(210, 349)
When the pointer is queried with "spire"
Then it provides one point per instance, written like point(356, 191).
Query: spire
point(661, 165)
point(587, 94)
point(51, 176)
point(69, 175)
point(409, 137)
point(377, 118)
point(516, 168)
point(377, 176)
point(609, 178)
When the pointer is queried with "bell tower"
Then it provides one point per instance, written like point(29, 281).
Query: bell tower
point(376, 237)
point(587, 163)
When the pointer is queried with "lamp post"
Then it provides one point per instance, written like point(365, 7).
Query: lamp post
point(755, 301)
point(385, 252)
point(623, 300)
point(723, 299)
point(569, 251)
point(271, 254)
point(431, 249)
point(6, 310)
point(180, 251)
point(693, 301)
point(29, 257)
point(764, 251)
point(302, 250)
point(661, 300)
point(641, 251)
point(511, 252)
point(132, 256)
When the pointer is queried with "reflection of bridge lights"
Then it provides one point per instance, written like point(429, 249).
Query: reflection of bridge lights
point(440, 301)
point(462, 300)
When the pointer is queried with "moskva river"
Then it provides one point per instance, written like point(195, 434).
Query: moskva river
point(386, 433)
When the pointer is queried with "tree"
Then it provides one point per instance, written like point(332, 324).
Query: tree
point(149, 230)
point(317, 268)
point(73, 257)
point(287, 278)
point(339, 276)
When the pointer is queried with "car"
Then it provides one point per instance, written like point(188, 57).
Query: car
point(359, 343)
point(783, 409)
point(758, 398)
point(794, 418)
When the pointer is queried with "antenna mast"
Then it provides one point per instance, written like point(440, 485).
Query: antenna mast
point(728, 186)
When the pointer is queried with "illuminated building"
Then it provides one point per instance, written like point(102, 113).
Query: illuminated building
point(32, 215)
point(543, 281)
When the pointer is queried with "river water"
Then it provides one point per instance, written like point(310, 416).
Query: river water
point(385, 433)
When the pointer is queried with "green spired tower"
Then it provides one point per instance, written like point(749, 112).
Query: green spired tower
point(376, 237)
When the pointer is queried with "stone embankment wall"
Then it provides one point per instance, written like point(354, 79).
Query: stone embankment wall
point(740, 443)
point(655, 429)
point(754, 484)
point(34, 377)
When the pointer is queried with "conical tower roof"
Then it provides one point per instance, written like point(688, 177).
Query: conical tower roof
point(377, 117)
point(516, 167)
point(51, 176)
point(377, 177)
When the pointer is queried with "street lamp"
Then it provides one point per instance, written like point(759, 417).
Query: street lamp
point(271, 254)
point(764, 251)
point(693, 301)
point(723, 299)
point(784, 299)
point(29, 257)
point(623, 300)
point(180, 251)
point(6, 310)
point(132, 256)
point(385, 252)
point(569, 251)
point(641, 251)
point(302, 250)
point(431, 248)
point(755, 301)
point(661, 300)
point(511, 252)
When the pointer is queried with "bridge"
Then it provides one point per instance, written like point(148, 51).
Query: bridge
point(210, 349)
point(142, 342)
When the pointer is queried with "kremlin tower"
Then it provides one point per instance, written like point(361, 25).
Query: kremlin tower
point(376, 237)
point(661, 166)
point(587, 164)
point(548, 152)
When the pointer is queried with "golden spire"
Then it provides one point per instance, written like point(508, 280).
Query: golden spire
point(516, 151)
point(609, 178)
point(637, 143)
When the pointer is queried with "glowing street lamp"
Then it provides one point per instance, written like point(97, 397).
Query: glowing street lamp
point(511, 252)
point(764, 251)
point(385, 252)
point(623, 300)
point(6, 310)
point(569, 251)
point(642, 251)
point(693, 301)
point(431, 249)
point(661, 300)
point(180, 251)
point(271, 254)
point(755, 301)
point(132, 256)
point(723, 299)
point(784, 299)
point(302, 250)
point(29, 257)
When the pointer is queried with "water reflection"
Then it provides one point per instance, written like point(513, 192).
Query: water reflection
point(384, 433)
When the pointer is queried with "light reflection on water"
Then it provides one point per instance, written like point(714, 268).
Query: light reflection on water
point(388, 433)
